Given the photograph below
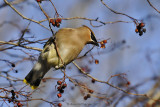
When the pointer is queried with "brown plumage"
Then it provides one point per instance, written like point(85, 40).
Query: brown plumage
point(69, 43)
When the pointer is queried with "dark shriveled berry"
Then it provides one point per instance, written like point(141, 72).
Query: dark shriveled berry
point(144, 30)
point(85, 97)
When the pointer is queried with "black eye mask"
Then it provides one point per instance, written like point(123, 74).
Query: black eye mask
point(93, 37)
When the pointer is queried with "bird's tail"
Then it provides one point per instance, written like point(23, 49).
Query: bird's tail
point(36, 74)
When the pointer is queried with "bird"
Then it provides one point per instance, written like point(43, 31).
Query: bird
point(60, 50)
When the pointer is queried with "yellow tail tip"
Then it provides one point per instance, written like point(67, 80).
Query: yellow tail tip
point(25, 81)
point(33, 87)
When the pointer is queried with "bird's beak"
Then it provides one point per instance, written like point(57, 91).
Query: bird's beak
point(93, 42)
point(96, 43)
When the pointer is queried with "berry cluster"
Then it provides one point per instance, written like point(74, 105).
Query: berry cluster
point(13, 99)
point(40, 1)
point(87, 96)
point(103, 43)
point(60, 88)
point(56, 22)
point(140, 29)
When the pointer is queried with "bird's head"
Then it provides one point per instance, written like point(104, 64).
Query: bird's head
point(92, 38)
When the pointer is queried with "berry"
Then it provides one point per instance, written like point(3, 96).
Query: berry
point(59, 82)
point(59, 20)
point(141, 24)
point(64, 85)
point(59, 105)
point(59, 95)
point(144, 30)
point(90, 91)
point(103, 46)
point(9, 100)
point(59, 88)
point(128, 83)
point(13, 65)
point(136, 30)
point(51, 20)
point(96, 61)
point(88, 95)
point(39, 1)
point(57, 24)
point(140, 33)
point(16, 71)
point(61, 91)
point(13, 97)
point(85, 97)
point(104, 41)
point(56, 21)
point(93, 80)
point(19, 104)
point(53, 23)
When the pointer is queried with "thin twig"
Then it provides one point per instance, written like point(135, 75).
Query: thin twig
point(23, 15)
point(144, 95)
point(134, 20)
point(153, 6)
point(15, 44)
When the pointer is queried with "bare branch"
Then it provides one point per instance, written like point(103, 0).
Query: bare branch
point(153, 6)
point(16, 44)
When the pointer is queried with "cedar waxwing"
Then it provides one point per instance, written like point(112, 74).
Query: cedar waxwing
point(69, 43)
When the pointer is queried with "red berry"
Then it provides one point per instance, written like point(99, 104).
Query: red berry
point(128, 83)
point(59, 95)
point(141, 24)
point(104, 41)
point(9, 100)
point(136, 30)
point(59, 88)
point(59, 20)
point(51, 20)
point(56, 21)
point(64, 85)
point(90, 91)
point(96, 61)
point(57, 24)
point(103, 46)
point(19, 104)
point(59, 105)
point(39, 1)
point(59, 82)
point(53, 23)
